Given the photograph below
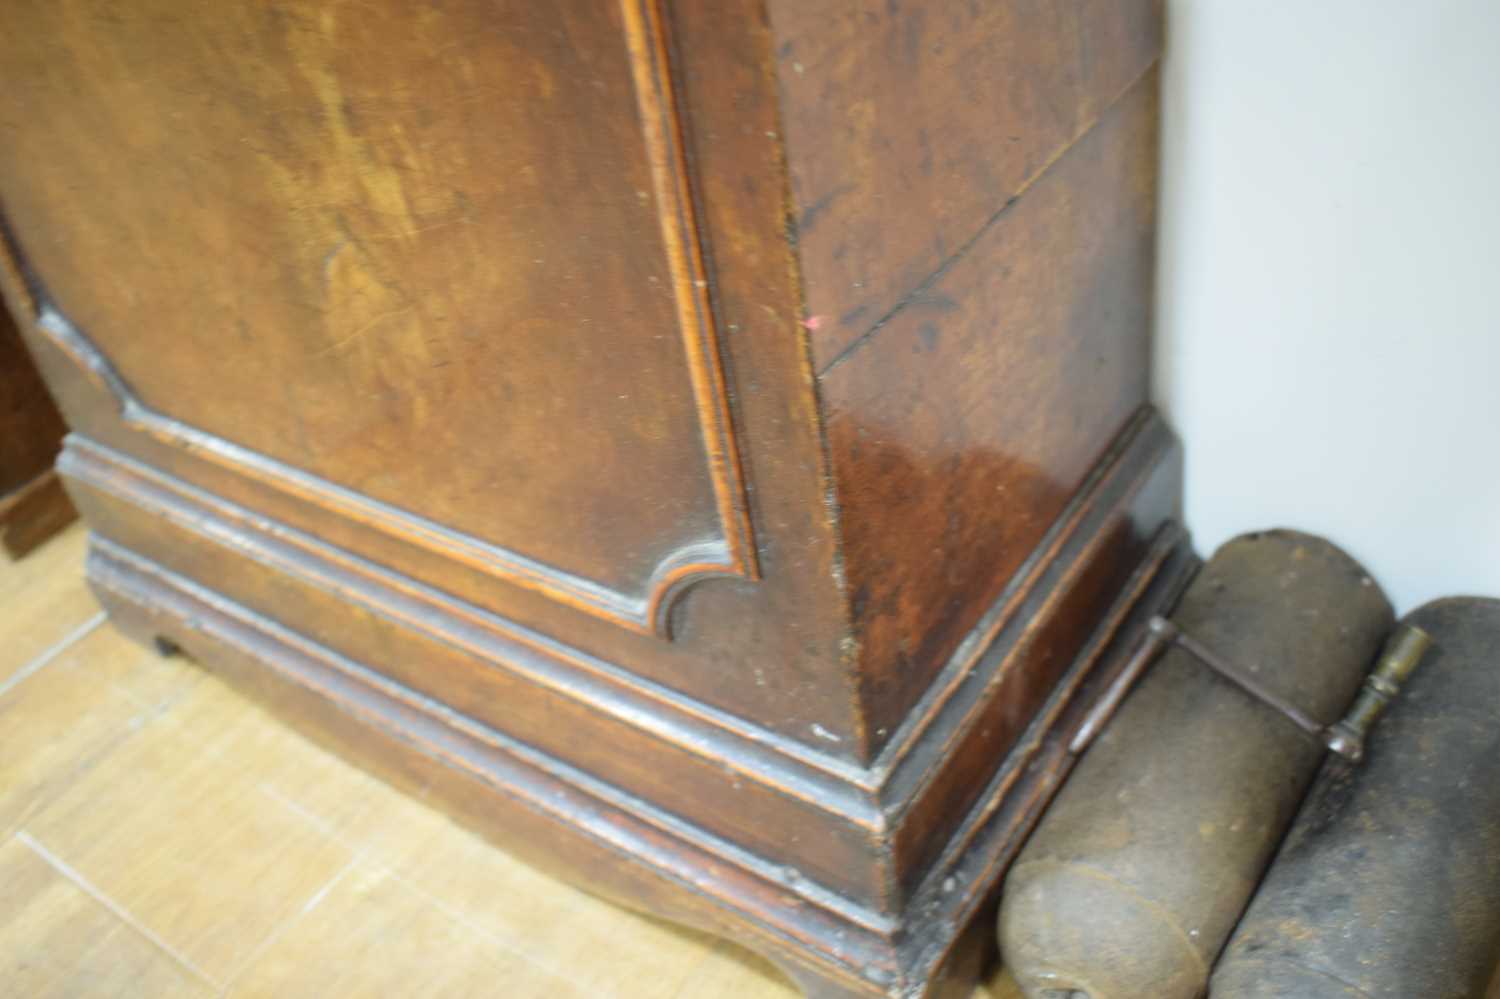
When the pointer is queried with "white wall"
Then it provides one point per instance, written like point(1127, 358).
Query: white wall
point(1329, 300)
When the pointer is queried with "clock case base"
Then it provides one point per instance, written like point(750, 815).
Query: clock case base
point(1116, 556)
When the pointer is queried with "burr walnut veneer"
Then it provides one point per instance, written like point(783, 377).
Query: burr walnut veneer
point(702, 444)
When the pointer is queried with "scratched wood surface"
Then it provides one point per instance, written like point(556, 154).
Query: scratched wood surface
point(161, 836)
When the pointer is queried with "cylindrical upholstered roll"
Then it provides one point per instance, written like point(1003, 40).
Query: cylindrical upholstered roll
point(1388, 886)
point(1137, 872)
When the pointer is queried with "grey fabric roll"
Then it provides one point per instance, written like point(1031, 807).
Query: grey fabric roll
point(1388, 886)
point(1136, 874)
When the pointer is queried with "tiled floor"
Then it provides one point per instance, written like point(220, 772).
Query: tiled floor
point(160, 836)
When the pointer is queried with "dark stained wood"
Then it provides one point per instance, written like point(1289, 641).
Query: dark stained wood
point(458, 379)
point(960, 431)
point(33, 505)
point(1046, 639)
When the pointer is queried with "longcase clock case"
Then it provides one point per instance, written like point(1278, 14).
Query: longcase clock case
point(703, 445)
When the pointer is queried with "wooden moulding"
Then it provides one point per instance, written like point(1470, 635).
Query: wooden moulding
point(856, 880)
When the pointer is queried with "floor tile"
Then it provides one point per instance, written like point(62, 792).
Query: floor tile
point(176, 827)
point(43, 600)
point(728, 970)
point(372, 935)
point(608, 950)
point(60, 721)
point(58, 940)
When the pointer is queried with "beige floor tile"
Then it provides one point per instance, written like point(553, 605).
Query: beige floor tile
point(43, 599)
point(60, 721)
point(468, 874)
point(619, 953)
point(368, 816)
point(176, 827)
point(58, 940)
point(608, 950)
point(371, 935)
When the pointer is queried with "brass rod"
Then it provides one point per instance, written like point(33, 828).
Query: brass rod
point(1236, 676)
point(1346, 737)
point(1103, 709)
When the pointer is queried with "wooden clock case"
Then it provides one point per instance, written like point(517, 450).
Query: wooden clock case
point(703, 445)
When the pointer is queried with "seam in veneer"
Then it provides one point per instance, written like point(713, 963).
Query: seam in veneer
point(925, 285)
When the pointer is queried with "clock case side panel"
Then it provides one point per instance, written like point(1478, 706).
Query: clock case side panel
point(976, 235)
point(976, 239)
point(959, 433)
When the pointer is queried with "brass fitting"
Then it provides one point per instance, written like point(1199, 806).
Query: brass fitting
point(1402, 652)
